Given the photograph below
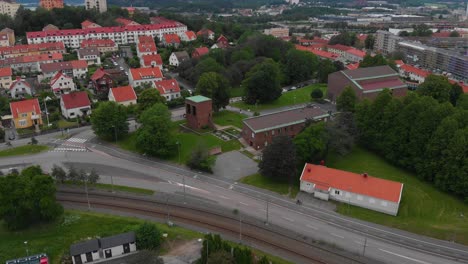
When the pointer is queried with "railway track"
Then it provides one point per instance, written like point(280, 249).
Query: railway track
point(248, 231)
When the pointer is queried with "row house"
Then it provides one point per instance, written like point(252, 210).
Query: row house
point(30, 63)
point(5, 77)
point(126, 22)
point(91, 55)
point(103, 45)
point(72, 38)
point(319, 53)
point(62, 84)
point(142, 76)
point(76, 68)
point(169, 89)
point(31, 49)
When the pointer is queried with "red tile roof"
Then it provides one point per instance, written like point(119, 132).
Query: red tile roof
point(67, 65)
point(320, 53)
point(340, 47)
point(198, 52)
point(19, 81)
point(190, 35)
point(5, 72)
point(148, 59)
point(75, 100)
point(171, 38)
point(464, 86)
point(399, 62)
point(89, 24)
point(97, 43)
point(145, 39)
point(222, 38)
point(352, 66)
point(125, 22)
point(411, 69)
point(124, 93)
point(353, 182)
point(167, 86)
point(204, 32)
point(356, 52)
point(32, 58)
point(57, 77)
point(42, 47)
point(442, 34)
point(25, 106)
point(98, 74)
point(147, 47)
point(145, 73)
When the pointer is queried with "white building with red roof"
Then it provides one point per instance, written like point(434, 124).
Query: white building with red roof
point(75, 104)
point(62, 84)
point(76, 68)
point(155, 60)
point(171, 40)
point(20, 88)
point(124, 95)
point(206, 33)
point(146, 46)
point(188, 36)
point(126, 22)
point(30, 63)
point(32, 49)
point(168, 88)
point(5, 77)
point(142, 76)
point(103, 45)
point(354, 55)
point(89, 24)
point(356, 189)
point(413, 73)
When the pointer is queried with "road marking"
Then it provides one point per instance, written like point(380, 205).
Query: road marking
point(224, 197)
point(405, 257)
point(333, 234)
point(244, 203)
point(313, 227)
point(289, 219)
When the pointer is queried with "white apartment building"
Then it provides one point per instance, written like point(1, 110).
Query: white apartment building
point(99, 5)
point(7, 8)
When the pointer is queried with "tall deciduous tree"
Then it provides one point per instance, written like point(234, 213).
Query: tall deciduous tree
point(154, 136)
point(215, 86)
point(346, 101)
point(299, 66)
point(438, 87)
point(311, 143)
point(371, 61)
point(262, 83)
point(59, 173)
point(279, 159)
point(325, 68)
point(148, 236)
point(109, 121)
point(369, 42)
point(148, 98)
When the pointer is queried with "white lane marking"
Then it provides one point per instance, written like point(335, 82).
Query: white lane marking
point(289, 219)
point(333, 234)
point(405, 257)
point(313, 227)
point(190, 187)
point(224, 197)
point(244, 203)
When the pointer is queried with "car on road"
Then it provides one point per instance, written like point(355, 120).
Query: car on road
point(284, 90)
point(121, 68)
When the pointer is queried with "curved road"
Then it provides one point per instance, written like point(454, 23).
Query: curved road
point(375, 241)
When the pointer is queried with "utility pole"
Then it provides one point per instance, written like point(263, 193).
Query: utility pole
point(207, 250)
point(183, 175)
point(267, 202)
point(27, 250)
point(112, 183)
point(240, 227)
point(86, 190)
point(364, 248)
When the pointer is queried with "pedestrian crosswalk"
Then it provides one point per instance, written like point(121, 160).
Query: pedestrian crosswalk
point(77, 140)
point(73, 144)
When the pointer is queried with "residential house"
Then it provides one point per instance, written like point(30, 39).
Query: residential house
point(354, 55)
point(102, 81)
point(85, 252)
point(5, 77)
point(91, 55)
point(155, 60)
point(103, 45)
point(126, 22)
point(20, 88)
point(360, 190)
point(206, 34)
point(259, 131)
point(199, 52)
point(142, 76)
point(124, 95)
point(32, 49)
point(76, 68)
point(62, 84)
point(366, 82)
point(171, 40)
point(413, 73)
point(11, 35)
point(118, 245)
point(89, 24)
point(146, 46)
point(31, 63)
point(4, 41)
point(188, 36)
point(26, 113)
point(169, 89)
point(221, 43)
point(75, 104)
point(178, 57)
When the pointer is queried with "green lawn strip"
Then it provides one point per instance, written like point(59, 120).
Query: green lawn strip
point(298, 96)
point(263, 182)
point(66, 124)
point(23, 150)
point(259, 254)
point(423, 209)
point(104, 186)
point(237, 92)
point(55, 238)
point(228, 118)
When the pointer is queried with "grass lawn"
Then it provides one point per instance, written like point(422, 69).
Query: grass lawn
point(66, 124)
point(237, 92)
point(121, 188)
point(423, 209)
point(228, 118)
point(55, 238)
point(260, 181)
point(298, 96)
point(23, 150)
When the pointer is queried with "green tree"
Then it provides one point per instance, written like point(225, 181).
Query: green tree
point(369, 42)
point(201, 159)
point(311, 143)
point(462, 101)
point(155, 137)
point(73, 174)
point(324, 69)
point(27, 199)
point(59, 173)
point(316, 94)
point(148, 236)
point(2, 135)
point(148, 98)
point(221, 257)
point(206, 64)
point(299, 66)
point(93, 176)
point(371, 61)
point(421, 30)
point(216, 87)
point(346, 101)
point(341, 133)
point(243, 54)
point(262, 83)
point(32, 171)
point(454, 34)
point(438, 87)
point(455, 93)
point(344, 38)
point(109, 121)
point(279, 159)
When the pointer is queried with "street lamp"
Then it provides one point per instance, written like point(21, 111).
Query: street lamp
point(27, 250)
point(183, 175)
point(267, 202)
point(86, 190)
point(47, 111)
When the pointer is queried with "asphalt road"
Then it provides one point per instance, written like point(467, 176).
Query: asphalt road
point(386, 244)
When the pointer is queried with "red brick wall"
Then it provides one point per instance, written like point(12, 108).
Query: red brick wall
point(259, 139)
point(203, 115)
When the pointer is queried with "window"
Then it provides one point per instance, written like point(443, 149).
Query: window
point(22, 122)
point(24, 115)
point(273, 132)
point(337, 192)
point(253, 135)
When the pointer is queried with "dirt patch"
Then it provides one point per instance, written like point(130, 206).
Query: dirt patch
point(183, 252)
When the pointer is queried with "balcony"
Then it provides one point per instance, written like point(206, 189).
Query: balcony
point(35, 117)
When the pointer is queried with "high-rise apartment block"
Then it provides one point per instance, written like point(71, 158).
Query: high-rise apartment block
point(51, 4)
point(99, 5)
point(8, 8)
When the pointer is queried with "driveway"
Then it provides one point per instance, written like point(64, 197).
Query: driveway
point(234, 165)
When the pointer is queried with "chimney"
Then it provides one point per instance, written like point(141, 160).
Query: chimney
point(364, 174)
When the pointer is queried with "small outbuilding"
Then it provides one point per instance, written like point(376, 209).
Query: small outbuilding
point(83, 252)
point(118, 245)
